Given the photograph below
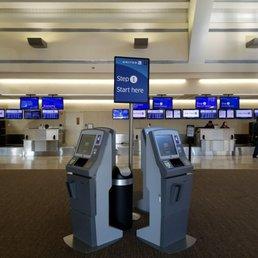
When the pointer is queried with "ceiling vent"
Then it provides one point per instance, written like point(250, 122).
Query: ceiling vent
point(37, 42)
point(252, 43)
point(141, 43)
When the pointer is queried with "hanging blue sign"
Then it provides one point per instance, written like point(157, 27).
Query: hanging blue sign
point(131, 80)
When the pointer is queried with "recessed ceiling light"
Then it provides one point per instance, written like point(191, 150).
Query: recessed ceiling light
point(37, 42)
point(141, 43)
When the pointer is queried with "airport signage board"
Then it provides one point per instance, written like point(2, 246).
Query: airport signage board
point(131, 80)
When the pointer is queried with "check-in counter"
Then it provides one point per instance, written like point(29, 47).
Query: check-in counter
point(216, 141)
point(43, 140)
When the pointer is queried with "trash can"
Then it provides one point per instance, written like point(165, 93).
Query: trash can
point(121, 199)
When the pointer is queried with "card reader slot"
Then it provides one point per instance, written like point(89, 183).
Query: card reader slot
point(176, 163)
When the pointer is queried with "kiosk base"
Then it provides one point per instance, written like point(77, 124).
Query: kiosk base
point(81, 247)
point(178, 246)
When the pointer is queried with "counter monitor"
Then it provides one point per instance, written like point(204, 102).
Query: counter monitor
point(2, 113)
point(244, 113)
point(166, 146)
point(173, 114)
point(50, 114)
point(86, 144)
point(120, 114)
point(191, 113)
point(53, 103)
point(206, 102)
point(208, 114)
point(256, 113)
point(139, 114)
point(155, 114)
point(229, 102)
point(162, 103)
point(32, 114)
point(29, 103)
point(13, 114)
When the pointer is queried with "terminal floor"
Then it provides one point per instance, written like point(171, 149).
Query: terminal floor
point(35, 217)
point(199, 162)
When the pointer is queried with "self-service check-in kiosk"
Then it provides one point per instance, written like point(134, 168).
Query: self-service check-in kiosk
point(89, 180)
point(168, 178)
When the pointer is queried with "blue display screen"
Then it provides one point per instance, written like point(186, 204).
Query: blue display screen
point(32, 114)
point(155, 114)
point(256, 113)
point(53, 103)
point(2, 113)
point(141, 106)
point(229, 102)
point(162, 103)
point(29, 102)
point(13, 114)
point(208, 114)
point(204, 102)
point(120, 114)
point(50, 114)
point(131, 78)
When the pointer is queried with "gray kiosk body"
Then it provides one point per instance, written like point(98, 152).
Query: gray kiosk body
point(168, 178)
point(89, 179)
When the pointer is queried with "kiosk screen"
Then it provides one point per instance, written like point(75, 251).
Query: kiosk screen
point(86, 144)
point(166, 145)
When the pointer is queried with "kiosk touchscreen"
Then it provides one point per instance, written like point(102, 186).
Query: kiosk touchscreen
point(89, 179)
point(167, 175)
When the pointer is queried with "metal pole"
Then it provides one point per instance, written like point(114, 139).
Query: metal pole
point(130, 155)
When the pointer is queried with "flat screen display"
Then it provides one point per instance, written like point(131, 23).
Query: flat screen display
point(50, 114)
point(141, 106)
point(208, 114)
point(223, 114)
point(2, 113)
point(52, 103)
point(166, 145)
point(230, 114)
point(155, 114)
point(204, 102)
point(173, 114)
point(139, 114)
point(256, 113)
point(32, 114)
point(162, 103)
point(244, 113)
point(229, 102)
point(191, 113)
point(29, 103)
point(120, 114)
point(13, 114)
point(86, 144)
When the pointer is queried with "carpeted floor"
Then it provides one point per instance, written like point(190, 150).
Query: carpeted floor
point(35, 217)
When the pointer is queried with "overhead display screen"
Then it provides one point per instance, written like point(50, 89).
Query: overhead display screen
point(155, 114)
point(206, 102)
point(208, 114)
point(244, 113)
point(162, 103)
point(226, 114)
point(131, 78)
point(229, 102)
point(50, 114)
point(120, 114)
point(86, 144)
point(139, 114)
point(173, 114)
point(13, 114)
point(256, 112)
point(52, 103)
point(191, 113)
point(141, 106)
point(166, 145)
point(32, 114)
point(29, 103)
point(2, 113)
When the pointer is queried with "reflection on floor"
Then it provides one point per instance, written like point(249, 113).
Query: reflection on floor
point(199, 162)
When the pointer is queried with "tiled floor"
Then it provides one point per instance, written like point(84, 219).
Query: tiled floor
point(207, 162)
